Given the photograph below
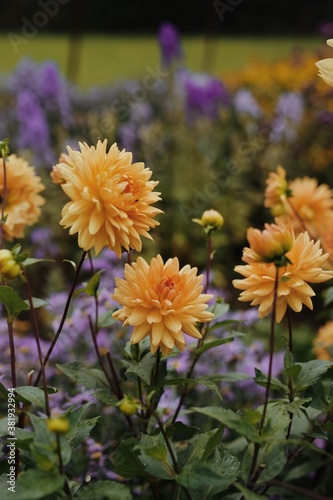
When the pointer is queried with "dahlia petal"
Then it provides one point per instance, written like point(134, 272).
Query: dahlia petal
point(96, 221)
point(139, 332)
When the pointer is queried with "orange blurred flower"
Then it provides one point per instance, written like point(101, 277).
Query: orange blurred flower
point(23, 201)
point(310, 207)
point(323, 342)
point(111, 198)
point(277, 190)
point(162, 301)
point(269, 245)
point(304, 265)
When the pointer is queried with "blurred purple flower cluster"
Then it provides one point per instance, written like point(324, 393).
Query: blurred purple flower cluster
point(41, 100)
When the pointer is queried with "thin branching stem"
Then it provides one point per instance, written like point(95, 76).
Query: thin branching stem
point(37, 338)
point(63, 319)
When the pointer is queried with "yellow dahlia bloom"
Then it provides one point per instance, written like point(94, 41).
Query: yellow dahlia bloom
point(304, 265)
point(323, 342)
point(277, 190)
point(325, 67)
point(269, 245)
point(310, 206)
point(111, 198)
point(162, 301)
point(23, 201)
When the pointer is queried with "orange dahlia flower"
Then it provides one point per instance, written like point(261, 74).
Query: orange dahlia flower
point(162, 301)
point(269, 245)
point(304, 265)
point(277, 190)
point(111, 198)
point(310, 207)
point(23, 201)
point(323, 342)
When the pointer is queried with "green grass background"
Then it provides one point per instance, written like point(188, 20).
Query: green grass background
point(99, 60)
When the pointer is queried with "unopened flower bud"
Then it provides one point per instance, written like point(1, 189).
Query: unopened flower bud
point(128, 405)
point(210, 220)
point(60, 425)
point(9, 268)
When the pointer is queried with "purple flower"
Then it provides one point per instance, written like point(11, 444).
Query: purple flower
point(288, 114)
point(42, 240)
point(168, 38)
point(245, 103)
point(203, 94)
point(53, 92)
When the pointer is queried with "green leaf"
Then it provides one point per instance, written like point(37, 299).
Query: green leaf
point(12, 301)
point(34, 484)
point(204, 445)
point(106, 490)
point(310, 373)
point(36, 302)
point(31, 394)
point(90, 378)
point(30, 261)
point(81, 431)
point(232, 420)
point(125, 459)
point(213, 343)
point(328, 296)
point(248, 494)
point(105, 319)
point(219, 309)
point(143, 368)
point(206, 478)
point(276, 384)
point(105, 396)
point(92, 286)
point(155, 456)
point(181, 432)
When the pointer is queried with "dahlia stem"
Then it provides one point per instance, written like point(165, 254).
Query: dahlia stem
point(290, 382)
point(209, 261)
point(63, 319)
point(271, 352)
point(254, 473)
point(12, 351)
point(168, 445)
point(37, 338)
point(61, 467)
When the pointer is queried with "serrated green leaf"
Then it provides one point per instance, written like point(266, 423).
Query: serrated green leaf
point(155, 456)
point(81, 431)
point(34, 484)
point(275, 383)
point(90, 378)
point(12, 301)
point(31, 394)
point(310, 373)
point(105, 396)
point(126, 461)
point(143, 368)
point(232, 420)
point(106, 490)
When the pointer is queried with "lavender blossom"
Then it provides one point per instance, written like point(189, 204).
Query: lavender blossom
point(169, 42)
point(288, 115)
point(245, 103)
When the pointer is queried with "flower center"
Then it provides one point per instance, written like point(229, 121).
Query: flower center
point(165, 286)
